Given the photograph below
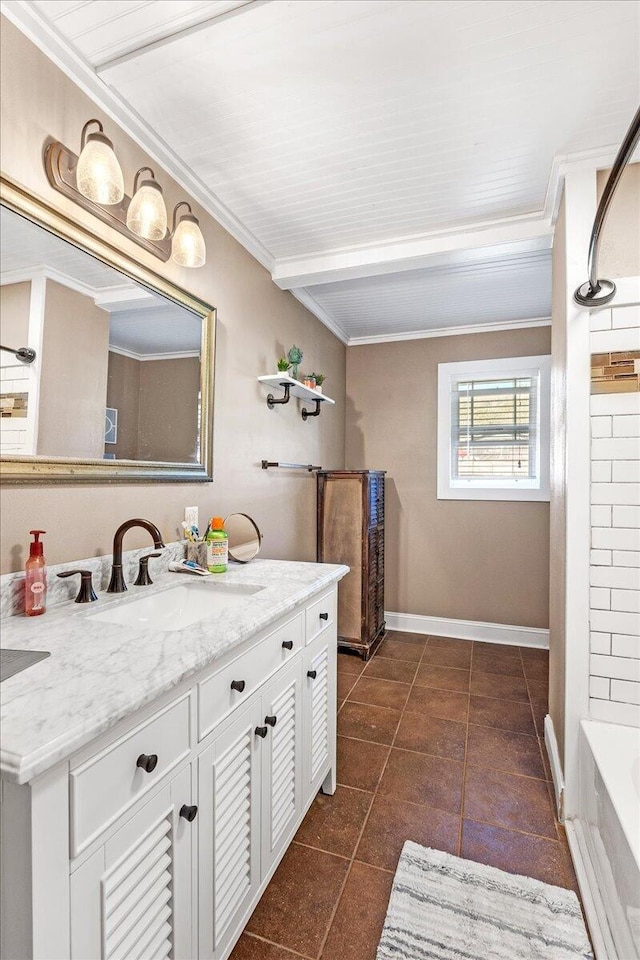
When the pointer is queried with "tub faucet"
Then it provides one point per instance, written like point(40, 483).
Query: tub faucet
point(117, 584)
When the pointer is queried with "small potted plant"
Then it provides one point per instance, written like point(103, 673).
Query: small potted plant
point(295, 359)
point(283, 365)
point(309, 381)
point(320, 378)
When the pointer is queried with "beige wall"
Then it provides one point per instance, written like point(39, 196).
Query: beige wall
point(620, 240)
point(73, 375)
point(123, 393)
point(558, 517)
point(15, 301)
point(470, 560)
point(168, 423)
point(256, 323)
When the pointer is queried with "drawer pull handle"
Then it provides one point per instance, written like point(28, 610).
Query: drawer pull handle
point(312, 674)
point(324, 616)
point(271, 721)
point(238, 685)
point(261, 732)
point(188, 812)
point(287, 644)
point(148, 762)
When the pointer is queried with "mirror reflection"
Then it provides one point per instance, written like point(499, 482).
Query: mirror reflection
point(244, 537)
point(117, 370)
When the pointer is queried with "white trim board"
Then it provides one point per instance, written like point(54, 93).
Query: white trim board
point(468, 630)
point(449, 331)
point(553, 754)
point(592, 901)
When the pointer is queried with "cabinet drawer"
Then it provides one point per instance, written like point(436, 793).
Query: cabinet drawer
point(104, 786)
point(216, 696)
point(320, 615)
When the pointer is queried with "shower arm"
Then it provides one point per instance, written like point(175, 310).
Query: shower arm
point(598, 292)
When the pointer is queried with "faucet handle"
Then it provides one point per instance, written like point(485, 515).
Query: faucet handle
point(143, 579)
point(86, 593)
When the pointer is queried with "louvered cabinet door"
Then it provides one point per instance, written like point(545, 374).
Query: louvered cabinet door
point(131, 900)
point(281, 761)
point(229, 829)
point(319, 712)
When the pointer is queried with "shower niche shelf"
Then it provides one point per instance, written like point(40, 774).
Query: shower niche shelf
point(293, 388)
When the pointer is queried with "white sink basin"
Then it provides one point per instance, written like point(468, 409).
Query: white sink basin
point(178, 606)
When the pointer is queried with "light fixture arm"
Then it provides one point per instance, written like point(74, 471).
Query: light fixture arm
point(83, 135)
point(183, 203)
point(137, 176)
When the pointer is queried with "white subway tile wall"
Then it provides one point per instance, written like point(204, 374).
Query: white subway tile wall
point(614, 684)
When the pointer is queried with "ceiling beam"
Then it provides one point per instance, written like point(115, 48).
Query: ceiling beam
point(499, 240)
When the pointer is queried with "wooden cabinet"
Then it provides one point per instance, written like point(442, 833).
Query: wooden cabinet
point(351, 531)
point(117, 872)
point(229, 829)
point(132, 897)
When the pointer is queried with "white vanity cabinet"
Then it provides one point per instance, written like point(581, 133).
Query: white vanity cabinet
point(132, 897)
point(165, 831)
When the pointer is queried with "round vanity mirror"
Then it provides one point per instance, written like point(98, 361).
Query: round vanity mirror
point(244, 537)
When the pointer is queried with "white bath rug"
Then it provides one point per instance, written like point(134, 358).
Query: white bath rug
point(446, 908)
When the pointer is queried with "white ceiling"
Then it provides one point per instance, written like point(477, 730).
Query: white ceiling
point(141, 323)
point(349, 138)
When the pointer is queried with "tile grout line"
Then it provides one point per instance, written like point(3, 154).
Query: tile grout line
point(465, 758)
point(373, 798)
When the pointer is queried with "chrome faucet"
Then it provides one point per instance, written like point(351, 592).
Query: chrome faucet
point(117, 584)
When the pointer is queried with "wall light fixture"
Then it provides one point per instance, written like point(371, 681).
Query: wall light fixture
point(98, 173)
point(95, 182)
point(147, 213)
point(187, 243)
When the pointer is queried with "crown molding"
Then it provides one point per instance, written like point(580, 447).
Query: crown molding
point(451, 331)
point(30, 22)
point(143, 357)
point(312, 305)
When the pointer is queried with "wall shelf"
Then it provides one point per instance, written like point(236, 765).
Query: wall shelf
point(293, 388)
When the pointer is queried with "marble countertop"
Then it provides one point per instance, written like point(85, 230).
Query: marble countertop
point(98, 673)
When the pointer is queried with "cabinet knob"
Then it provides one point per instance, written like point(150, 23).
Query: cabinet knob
point(261, 732)
point(324, 616)
point(238, 685)
point(188, 812)
point(287, 644)
point(271, 721)
point(312, 674)
point(148, 761)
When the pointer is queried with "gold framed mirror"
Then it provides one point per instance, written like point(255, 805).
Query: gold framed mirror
point(121, 388)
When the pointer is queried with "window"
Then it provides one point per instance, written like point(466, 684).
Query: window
point(493, 429)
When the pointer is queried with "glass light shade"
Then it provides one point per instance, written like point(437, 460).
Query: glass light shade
point(147, 213)
point(98, 173)
point(188, 247)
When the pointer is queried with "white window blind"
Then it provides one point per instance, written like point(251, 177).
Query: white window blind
point(493, 428)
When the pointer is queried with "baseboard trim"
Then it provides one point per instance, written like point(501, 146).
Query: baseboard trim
point(557, 776)
point(468, 630)
point(594, 908)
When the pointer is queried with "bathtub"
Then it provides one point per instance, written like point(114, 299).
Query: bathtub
point(605, 837)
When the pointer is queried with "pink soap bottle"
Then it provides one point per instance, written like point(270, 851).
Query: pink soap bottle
point(35, 598)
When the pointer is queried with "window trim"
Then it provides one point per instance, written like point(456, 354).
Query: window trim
point(482, 488)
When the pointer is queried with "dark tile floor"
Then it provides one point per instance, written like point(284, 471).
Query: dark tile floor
point(439, 741)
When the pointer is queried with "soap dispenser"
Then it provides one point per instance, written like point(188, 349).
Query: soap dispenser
point(36, 578)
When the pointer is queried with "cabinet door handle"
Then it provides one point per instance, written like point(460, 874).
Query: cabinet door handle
point(324, 616)
point(271, 721)
point(287, 644)
point(148, 762)
point(261, 732)
point(238, 685)
point(188, 812)
point(312, 674)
